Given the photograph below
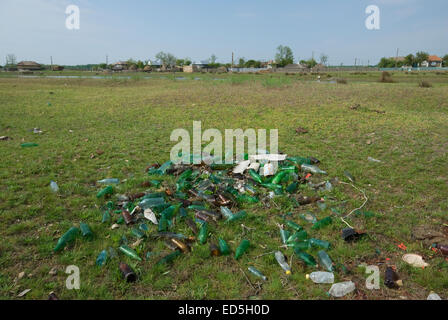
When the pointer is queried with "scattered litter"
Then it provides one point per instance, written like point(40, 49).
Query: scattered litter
point(392, 280)
point(321, 277)
point(5, 138)
point(151, 216)
point(52, 296)
point(54, 186)
point(37, 131)
point(24, 292)
point(373, 160)
point(29, 145)
point(415, 260)
point(53, 271)
point(341, 289)
point(433, 296)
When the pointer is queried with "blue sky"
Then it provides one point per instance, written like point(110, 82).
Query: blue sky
point(35, 29)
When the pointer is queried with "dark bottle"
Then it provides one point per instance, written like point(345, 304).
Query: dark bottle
point(127, 217)
point(128, 274)
point(392, 280)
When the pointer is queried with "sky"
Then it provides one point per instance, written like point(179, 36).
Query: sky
point(253, 29)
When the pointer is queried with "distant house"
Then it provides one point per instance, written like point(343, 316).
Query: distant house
point(57, 68)
point(191, 68)
point(120, 66)
point(433, 62)
point(28, 66)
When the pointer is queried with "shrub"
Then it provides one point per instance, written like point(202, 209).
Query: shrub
point(341, 81)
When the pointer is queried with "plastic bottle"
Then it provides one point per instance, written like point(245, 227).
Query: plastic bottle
point(242, 248)
point(279, 177)
point(341, 289)
point(203, 233)
point(325, 261)
point(102, 258)
point(105, 191)
point(257, 272)
point(66, 238)
point(129, 252)
point(108, 181)
point(321, 277)
point(54, 186)
point(433, 296)
point(282, 262)
point(223, 247)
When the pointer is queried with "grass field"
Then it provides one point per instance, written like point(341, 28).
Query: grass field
point(99, 128)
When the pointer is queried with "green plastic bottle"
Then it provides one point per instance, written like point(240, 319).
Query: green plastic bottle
point(255, 176)
point(279, 177)
point(66, 238)
point(242, 248)
point(322, 223)
point(129, 252)
point(203, 233)
point(85, 230)
point(325, 261)
point(105, 191)
point(169, 258)
point(305, 257)
point(257, 272)
point(223, 247)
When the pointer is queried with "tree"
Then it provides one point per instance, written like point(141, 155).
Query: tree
point(252, 64)
point(445, 60)
point(323, 59)
point(167, 59)
point(103, 66)
point(11, 60)
point(386, 63)
point(284, 56)
point(213, 59)
point(409, 60)
point(241, 62)
point(420, 57)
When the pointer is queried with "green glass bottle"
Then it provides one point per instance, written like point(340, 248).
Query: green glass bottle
point(169, 212)
point(129, 252)
point(29, 145)
point(312, 169)
point(226, 213)
point(223, 247)
point(302, 245)
point(299, 160)
point(242, 248)
point(163, 224)
point(255, 176)
point(66, 238)
point(106, 216)
point(298, 236)
point(169, 258)
point(293, 225)
point(325, 261)
point(106, 191)
point(279, 177)
point(101, 259)
point(237, 216)
point(292, 188)
point(305, 257)
point(320, 243)
point(284, 235)
point(85, 230)
point(322, 223)
point(137, 233)
point(203, 233)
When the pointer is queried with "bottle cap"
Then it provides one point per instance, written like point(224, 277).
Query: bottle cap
point(288, 272)
point(307, 276)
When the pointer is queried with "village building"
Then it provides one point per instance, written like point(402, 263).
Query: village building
point(28, 66)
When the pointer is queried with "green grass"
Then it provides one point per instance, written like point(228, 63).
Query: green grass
point(130, 120)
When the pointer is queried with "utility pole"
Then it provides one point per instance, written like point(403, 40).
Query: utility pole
point(396, 59)
point(232, 60)
point(107, 60)
point(51, 61)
